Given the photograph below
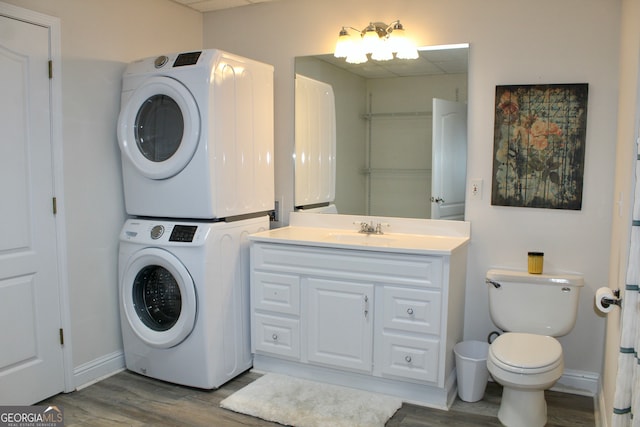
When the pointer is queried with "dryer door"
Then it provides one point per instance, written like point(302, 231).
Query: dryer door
point(158, 297)
point(159, 127)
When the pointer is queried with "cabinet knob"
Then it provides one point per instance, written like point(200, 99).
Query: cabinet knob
point(410, 311)
point(407, 359)
point(275, 337)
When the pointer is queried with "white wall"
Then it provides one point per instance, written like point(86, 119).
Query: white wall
point(98, 39)
point(512, 42)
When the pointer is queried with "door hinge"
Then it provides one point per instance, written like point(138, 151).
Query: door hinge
point(50, 69)
point(61, 336)
point(54, 202)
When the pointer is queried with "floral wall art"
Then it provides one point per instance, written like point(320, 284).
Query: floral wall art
point(539, 145)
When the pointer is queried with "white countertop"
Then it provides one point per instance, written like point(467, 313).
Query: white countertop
point(351, 239)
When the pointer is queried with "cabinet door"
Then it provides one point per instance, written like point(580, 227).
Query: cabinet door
point(340, 323)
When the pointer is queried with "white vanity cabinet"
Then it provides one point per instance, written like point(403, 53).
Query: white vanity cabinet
point(361, 316)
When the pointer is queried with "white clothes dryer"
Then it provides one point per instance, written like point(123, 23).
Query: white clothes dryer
point(196, 135)
point(184, 299)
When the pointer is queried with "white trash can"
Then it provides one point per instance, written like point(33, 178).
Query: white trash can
point(471, 369)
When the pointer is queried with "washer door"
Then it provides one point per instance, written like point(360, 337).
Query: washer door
point(159, 128)
point(158, 297)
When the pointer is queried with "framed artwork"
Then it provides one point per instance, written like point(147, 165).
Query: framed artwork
point(539, 145)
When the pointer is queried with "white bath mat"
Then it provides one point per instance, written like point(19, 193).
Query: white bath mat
point(303, 403)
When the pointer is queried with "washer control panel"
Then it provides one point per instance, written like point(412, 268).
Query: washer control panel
point(183, 233)
point(164, 232)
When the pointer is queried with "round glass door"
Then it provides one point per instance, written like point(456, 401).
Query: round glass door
point(159, 128)
point(158, 298)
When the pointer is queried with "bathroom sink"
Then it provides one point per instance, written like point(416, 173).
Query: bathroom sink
point(360, 238)
point(353, 239)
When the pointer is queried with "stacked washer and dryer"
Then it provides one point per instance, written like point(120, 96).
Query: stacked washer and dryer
point(196, 135)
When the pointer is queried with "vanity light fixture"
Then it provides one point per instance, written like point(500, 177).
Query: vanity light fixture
point(383, 42)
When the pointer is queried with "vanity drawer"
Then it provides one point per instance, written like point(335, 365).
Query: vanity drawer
point(276, 335)
point(360, 265)
point(276, 292)
point(410, 357)
point(412, 310)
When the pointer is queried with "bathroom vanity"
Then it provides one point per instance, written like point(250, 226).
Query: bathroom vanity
point(379, 312)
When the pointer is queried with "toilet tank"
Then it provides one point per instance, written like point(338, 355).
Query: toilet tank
point(545, 304)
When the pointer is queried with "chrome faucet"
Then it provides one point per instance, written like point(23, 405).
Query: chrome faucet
point(369, 228)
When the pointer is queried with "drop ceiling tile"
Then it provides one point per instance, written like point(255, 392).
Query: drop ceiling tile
point(211, 5)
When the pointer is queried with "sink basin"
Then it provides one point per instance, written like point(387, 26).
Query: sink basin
point(360, 238)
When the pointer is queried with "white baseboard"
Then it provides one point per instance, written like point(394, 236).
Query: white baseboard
point(578, 382)
point(98, 369)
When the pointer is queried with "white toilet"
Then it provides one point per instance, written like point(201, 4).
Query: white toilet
point(526, 359)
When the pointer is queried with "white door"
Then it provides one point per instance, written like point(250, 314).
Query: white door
point(31, 360)
point(449, 164)
point(340, 323)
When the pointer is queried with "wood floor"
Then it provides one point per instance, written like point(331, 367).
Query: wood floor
point(128, 399)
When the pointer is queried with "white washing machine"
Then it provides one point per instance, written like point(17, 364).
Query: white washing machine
point(196, 134)
point(184, 299)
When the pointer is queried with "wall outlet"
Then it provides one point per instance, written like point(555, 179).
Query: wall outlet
point(476, 189)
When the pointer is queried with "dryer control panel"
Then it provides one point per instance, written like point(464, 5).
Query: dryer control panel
point(190, 58)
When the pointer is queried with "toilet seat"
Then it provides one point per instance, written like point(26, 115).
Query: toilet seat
point(524, 353)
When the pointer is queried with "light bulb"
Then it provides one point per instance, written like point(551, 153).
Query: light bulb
point(357, 57)
point(400, 44)
point(382, 52)
point(344, 45)
point(408, 51)
point(397, 38)
point(370, 39)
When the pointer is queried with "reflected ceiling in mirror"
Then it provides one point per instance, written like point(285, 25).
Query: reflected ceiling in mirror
point(384, 135)
point(450, 59)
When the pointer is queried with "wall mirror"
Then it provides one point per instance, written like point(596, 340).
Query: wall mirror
point(390, 159)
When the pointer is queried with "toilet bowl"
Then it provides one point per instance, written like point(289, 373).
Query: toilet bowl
point(525, 365)
point(527, 359)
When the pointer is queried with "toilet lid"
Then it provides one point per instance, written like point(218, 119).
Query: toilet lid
point(526, 352)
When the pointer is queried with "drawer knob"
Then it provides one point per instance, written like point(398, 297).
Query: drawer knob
point(407, 359)
point(275, 337)
point(410, 311)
